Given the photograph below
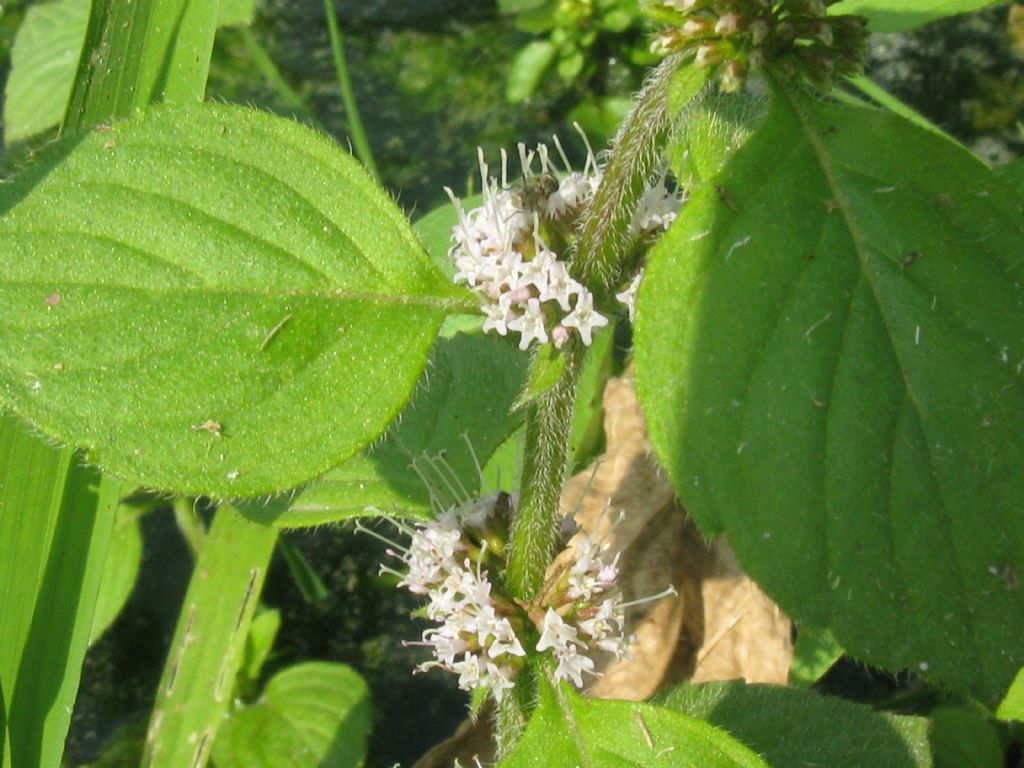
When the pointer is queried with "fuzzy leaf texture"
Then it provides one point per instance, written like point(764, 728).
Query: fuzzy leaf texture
point(211, 299)
point(464, 398)
point(829, 351)
point(567, 729)
point(793, 729)
point(901, 15)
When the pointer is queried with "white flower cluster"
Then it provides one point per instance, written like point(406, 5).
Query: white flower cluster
point(501, 248)
point(590, 611)
point(482, 636)
point(475, 638)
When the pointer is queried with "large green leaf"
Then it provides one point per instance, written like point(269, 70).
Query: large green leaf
point(901, 15)
point(570, 730)
point(1013, 174)
point(962, 737)
point(464, 398)
point(790, 728)
point(213, 299)
point(209, 646)
point(43, 62)
point(311, 715)
point(829, 351)
point(56, 516)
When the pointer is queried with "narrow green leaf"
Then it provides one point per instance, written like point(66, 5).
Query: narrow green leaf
point(901, 15)
point(567, 729)
point(311, 715)
point(55, 522)
point(259, 642)
point(1012, 705)
point(814, 653)
point(466, 394)
point(309, 584)
point(209, 642)
point(207, 315)
point(3, 726)
point(829, 349)
point(43, 62)
point(121, 567)
point(139, 53)
point(793, 729)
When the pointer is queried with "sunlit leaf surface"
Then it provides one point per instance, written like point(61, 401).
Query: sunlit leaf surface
point(791, 729)
point(211, 299)
point(310, 715)
point(901, 15)
point(568, 729)
point(829, 350)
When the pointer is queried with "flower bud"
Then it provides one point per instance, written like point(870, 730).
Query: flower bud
point(708, 54)
point(697, 26)
point(758, 31)
point(733, 76)
point(728, 24)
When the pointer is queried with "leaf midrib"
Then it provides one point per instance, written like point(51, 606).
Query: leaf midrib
point(451, 305)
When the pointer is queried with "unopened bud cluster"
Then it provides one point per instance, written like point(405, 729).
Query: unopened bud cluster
point(512, 250)
point(482, 634)
point(736, 37)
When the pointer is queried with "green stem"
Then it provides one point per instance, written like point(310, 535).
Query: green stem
point(605, 234)
point(355, 123)
point(266, 67)
point(545, 462)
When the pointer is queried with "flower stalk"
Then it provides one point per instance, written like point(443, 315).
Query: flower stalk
point(545, 463)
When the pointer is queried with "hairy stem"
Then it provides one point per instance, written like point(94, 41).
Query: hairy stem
point(545, 461)
point(605, 234)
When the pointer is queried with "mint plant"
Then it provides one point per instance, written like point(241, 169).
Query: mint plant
point(828, 338)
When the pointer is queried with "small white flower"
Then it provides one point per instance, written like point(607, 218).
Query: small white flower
point(584, 319)
point(605, 628)
point(572, 664)
point(531, 325)
point(446, 643)
point(469, 671)
point(628, 296)
point(556, 634)
point(560, 286)
point(498, 679)
point(498, 317)
point(505, 640)
point(572, 192)
point(535, 271)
